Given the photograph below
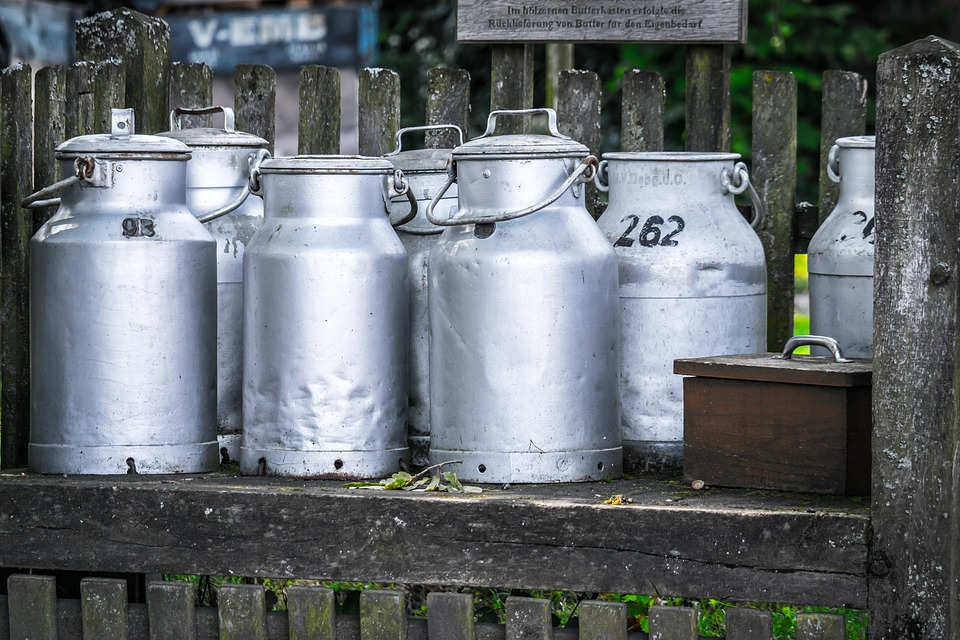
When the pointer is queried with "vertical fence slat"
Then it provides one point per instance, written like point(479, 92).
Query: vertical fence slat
point(379, 111)
point(103, 604)
point(382, 616)
point(318, 131)
point(255, 100)
point(707, 101)
point(448, 102)
point(171, 611)
point(80, 109)
point(603, 620)
point(311, 612)
point(4, 619)
point(641, 111)
point(242, 612)
point(142, 43)
point(748, 624)
point(559, 57)
point(108, 80)
point(821, 626)
point(16, 162)
point(774, 175)
point(450, 616)
point(578, 116)
point(511, 83)
point(673, 623)
point(50, 110)
point(191, 86)
point(528, 619)
point(32, 607)
point(843, 112)
point(915, 509)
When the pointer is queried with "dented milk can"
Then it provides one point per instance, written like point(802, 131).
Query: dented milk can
point(692, 283)
point(325, 326)
point(426, 171)
point(123, 313)
point(218, 193)
point(840, 256)
point(523, 316)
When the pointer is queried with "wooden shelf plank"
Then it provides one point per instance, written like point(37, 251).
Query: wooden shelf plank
point(721, 543)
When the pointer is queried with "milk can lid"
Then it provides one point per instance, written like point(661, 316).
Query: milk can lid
point(122, 139)
point(327, 164)
point(422, 160)
point(524, 145)
point(857, 142)
point(228, 136)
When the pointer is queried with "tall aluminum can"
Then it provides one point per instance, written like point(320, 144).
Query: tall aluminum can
point(840, 255)
point(693, 283)
point(523, 316)
point(325, 325)
point(123, 314)
point(218, 193)
point(426, 171)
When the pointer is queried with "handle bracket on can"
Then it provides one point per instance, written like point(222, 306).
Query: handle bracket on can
point(738, 181)
point(87, 170)
point(400, 187)
point(228, 117)
point(252, 185)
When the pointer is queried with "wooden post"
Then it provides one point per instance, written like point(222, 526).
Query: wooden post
point(318, 131)
point(578, 116)
point(450, 616)
point(448, 102)
point(379, 111)
point(32, 604)
point(528, 619)
point(748, 624)
point(382, 615)
point(103, 604)
point(191, 86)
point(603, 620)
point(843, 112)
point(93, 89)
point(673, 623)
point(312, 610)
point(50, 110)
point(641, 111)
point(511, 83)
point(16, 227)
point(142, 44)
point(242, 611)
point(774, 175)
point(821, 626)
point(914, 587)
point(171, 610)
point(708, 98)
point(255, 100)
point(559, 58)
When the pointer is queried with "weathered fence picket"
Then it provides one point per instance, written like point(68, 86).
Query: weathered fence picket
point(707, 100)
point(578, 116)
point(528, 619)
point(641, 111)
point(748, 624)
point(16, 227)
point(318, 132)
point(378, 111)
point(93, 88)
point(843, 113)
point(511, 83)
point(603, 620)
point(255, 101)
point(32, 607)
point(673, 623)
point(448, 102)
point(242, 612)
point(774, 175)
point(191, 86)
point(172, 611)
point(311, 612)
point(103, 603)
point(50, 111)
point(383, 616)
point(451, 616)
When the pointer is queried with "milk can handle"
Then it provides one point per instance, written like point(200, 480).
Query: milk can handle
point(228, 118)
point(738, 181)
point(820, 341)
point(551, 120)
point(600, 179)
point(400, 187)
point(83, 170)
point(252, 185)
point(833, 164)
point(427, 127)
point(590, 162)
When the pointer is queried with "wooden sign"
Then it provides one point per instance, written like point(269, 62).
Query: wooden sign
point(690, 21)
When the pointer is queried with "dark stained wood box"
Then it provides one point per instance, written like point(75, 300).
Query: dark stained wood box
point(756, 421)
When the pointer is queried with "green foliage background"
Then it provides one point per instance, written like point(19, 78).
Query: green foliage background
point(801, 36)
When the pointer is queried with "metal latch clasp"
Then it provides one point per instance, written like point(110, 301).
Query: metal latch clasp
point(121, 123)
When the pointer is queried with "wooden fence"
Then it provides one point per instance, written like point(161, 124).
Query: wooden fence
point(170, 613)
point(898, 558)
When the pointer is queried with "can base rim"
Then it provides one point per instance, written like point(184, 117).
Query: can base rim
point(584, 465)
point(345, 465)
point(194, 457)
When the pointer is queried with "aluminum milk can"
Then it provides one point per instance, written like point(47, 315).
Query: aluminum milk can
point(218, 193)
point(326, 324)
point(123, 313)
point(692, 283)
point(523, 316)
point(840, 255)
point(426, 171)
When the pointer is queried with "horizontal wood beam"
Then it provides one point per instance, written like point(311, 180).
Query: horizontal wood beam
point(724, 544)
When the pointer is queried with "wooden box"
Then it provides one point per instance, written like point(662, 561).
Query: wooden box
point(758, 421)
